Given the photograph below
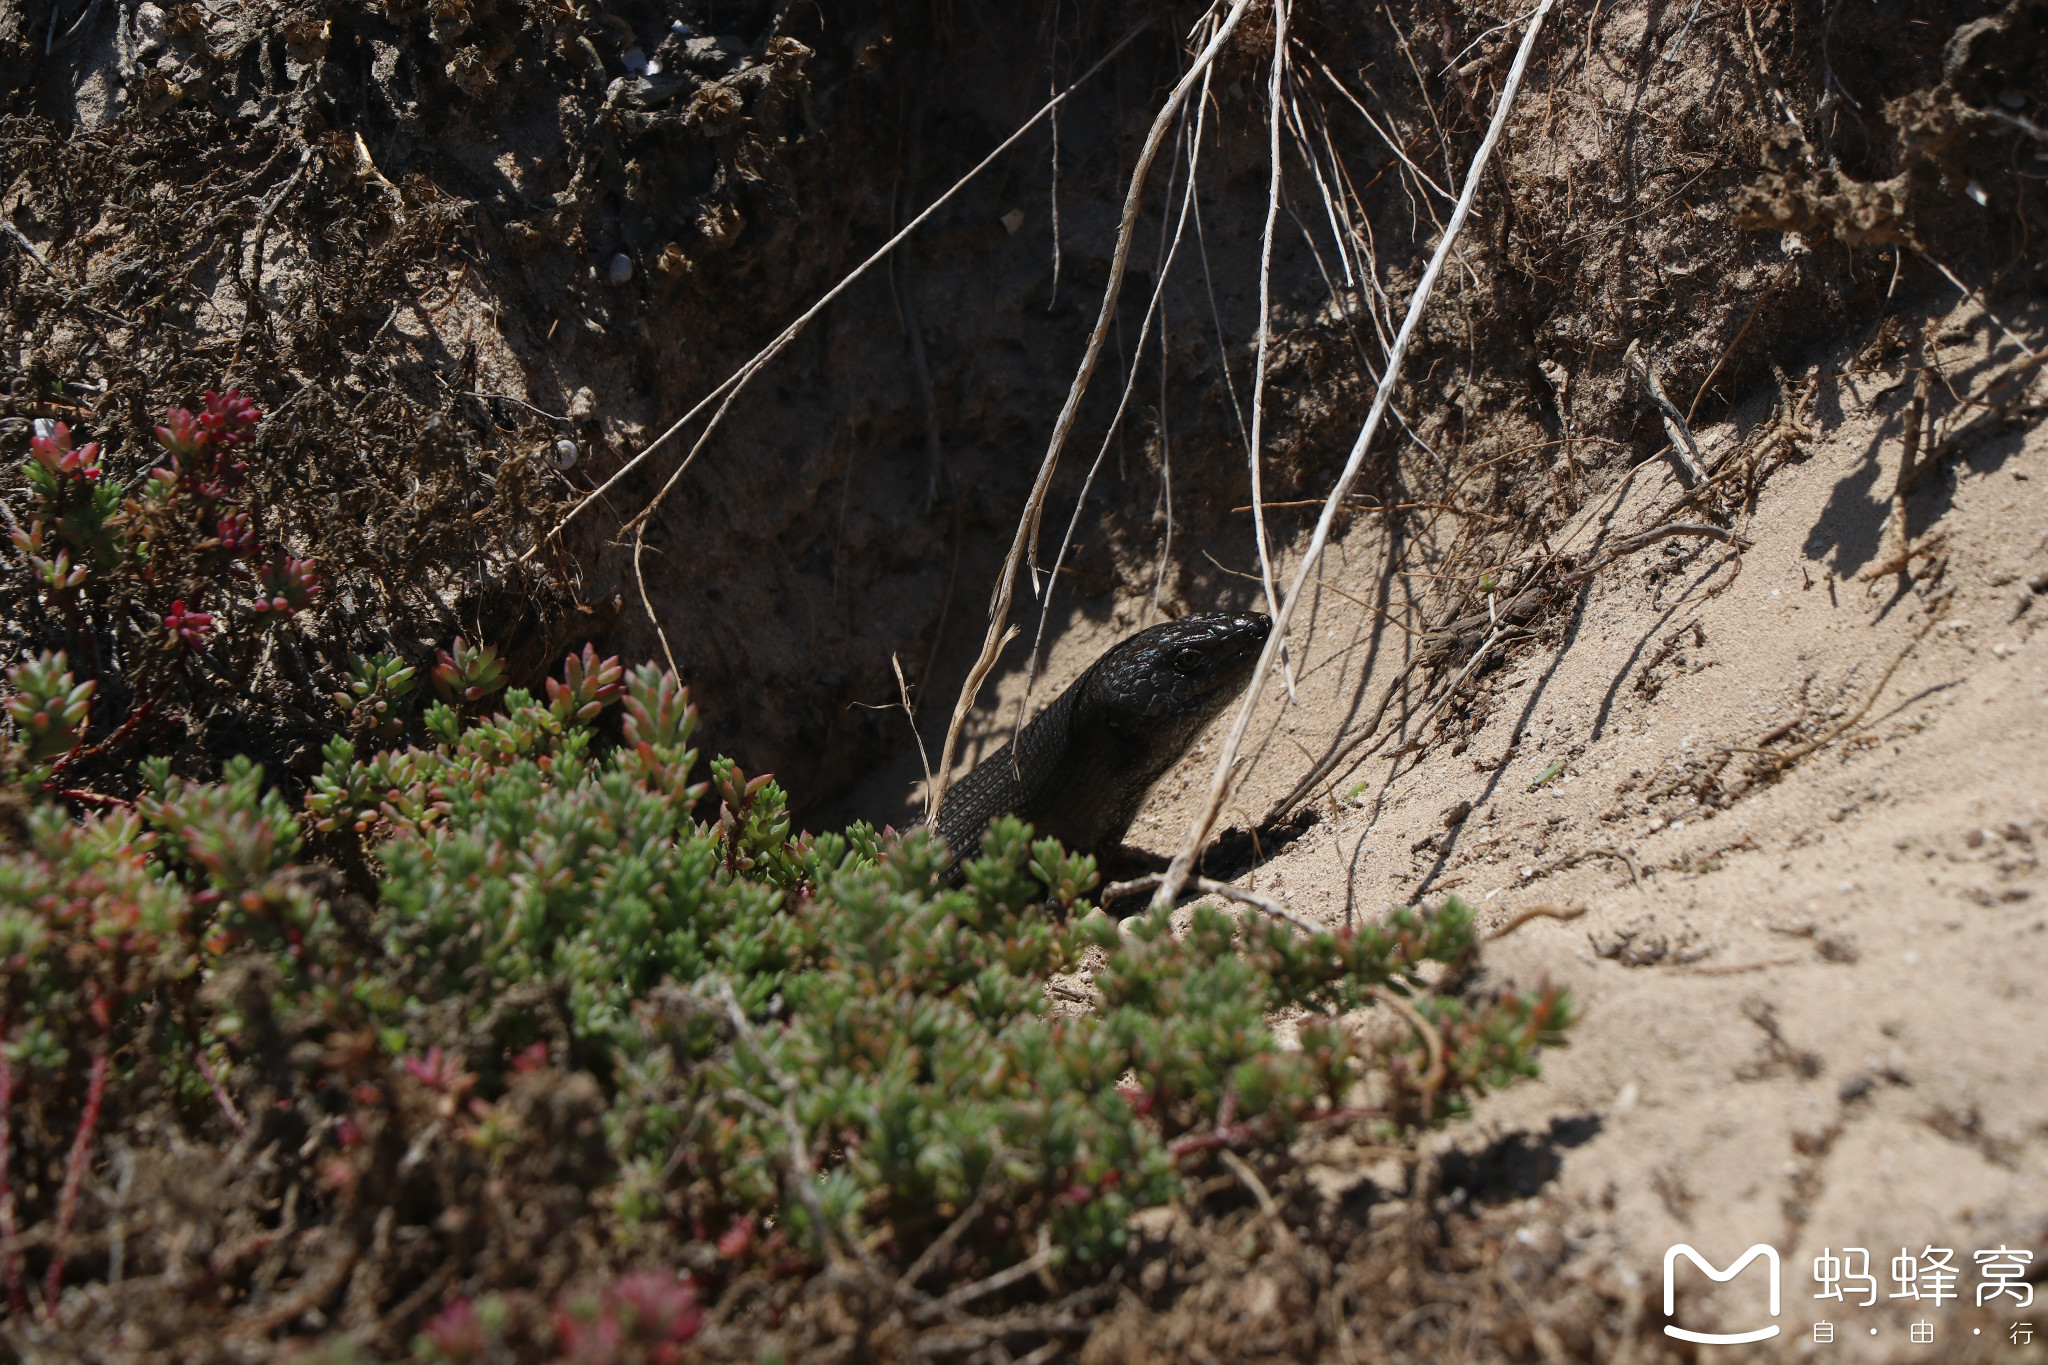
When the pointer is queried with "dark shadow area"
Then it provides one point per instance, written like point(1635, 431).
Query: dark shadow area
point(1851, 525)
point(1519, 1165)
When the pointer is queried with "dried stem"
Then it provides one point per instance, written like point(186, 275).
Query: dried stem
point(924, 759)
point(1152, 310)
point(1648, 538)
point(74, 1177)
point(1433, 1079)
point(1675, 426)
point(1900, 559)
point(802, 1175)
point(220, 1094)
point(1205, 818)
point(1209, 887)
point(1257, 443)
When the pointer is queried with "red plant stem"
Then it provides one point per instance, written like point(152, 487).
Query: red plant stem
point(98, 799)
point(1224, 1137)
point(74, 1176)
point(16, 1300)
point(135, 718)
point(220, 1094)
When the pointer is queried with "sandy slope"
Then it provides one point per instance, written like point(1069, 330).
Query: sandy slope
point(1818, 1021)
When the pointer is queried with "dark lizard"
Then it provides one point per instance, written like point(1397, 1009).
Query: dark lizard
point(1083, 767)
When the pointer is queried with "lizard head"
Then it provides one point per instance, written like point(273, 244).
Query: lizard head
point(1183, 671)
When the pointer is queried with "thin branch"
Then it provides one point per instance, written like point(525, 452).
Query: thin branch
point(1978, 299)
point(923, 758)
point(1205, 818)
point(1793, 755)
point(1266, 310)
point(74, 1178)
point(1433, 1041)
point(1682, 443)
point(945, 1241)
point(1002, 1279)
point(1249, 1178)
point(1629, 546)
point(1897, 530)
point(1770, 287)
point(1152, 309)
point(801, 1173)
point(1384, 136)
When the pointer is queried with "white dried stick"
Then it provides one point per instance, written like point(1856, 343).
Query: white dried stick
point(1219, 783)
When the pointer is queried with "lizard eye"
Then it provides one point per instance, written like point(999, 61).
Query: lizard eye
point(1189, 661)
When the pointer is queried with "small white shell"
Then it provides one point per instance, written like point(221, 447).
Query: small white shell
point(621, 269)
point(562, 454)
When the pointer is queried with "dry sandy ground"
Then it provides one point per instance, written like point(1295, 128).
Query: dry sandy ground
point(1820, 1021)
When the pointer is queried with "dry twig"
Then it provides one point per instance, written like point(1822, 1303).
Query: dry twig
point(1204, 820)
point(1682, 443)
point(1565, 912)
point(1210, 887)
point(1900, 557)
point(1257, 442)
point(1432, 1079)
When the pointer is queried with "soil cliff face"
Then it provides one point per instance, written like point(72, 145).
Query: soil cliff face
point(453, 237)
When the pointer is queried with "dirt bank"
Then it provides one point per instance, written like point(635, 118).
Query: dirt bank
point(473, 258)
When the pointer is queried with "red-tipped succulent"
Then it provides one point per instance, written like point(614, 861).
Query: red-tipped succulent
point(285, 586)
point(187, 631)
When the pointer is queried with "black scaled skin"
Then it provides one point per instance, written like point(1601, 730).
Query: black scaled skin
point(1082, 769)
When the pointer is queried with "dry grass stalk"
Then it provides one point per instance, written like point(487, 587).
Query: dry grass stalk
point(1182, 866)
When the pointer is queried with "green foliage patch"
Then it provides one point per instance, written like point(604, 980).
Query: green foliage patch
point(808, 1049)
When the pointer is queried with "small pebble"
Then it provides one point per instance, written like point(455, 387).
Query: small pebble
point(634, 60)
point(562, 455)
point(621, 269)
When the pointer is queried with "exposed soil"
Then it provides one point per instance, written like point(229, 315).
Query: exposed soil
point(446, 246)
